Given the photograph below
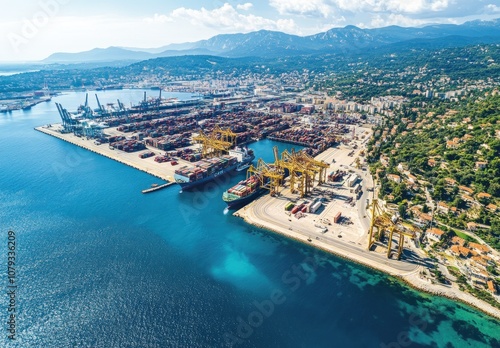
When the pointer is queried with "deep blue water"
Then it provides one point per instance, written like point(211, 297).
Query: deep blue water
point(102, 265)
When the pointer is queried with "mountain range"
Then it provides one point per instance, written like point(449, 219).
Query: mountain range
point(269, 44)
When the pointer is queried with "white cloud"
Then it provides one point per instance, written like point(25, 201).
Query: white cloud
point(491, 8)
point(378, 21)
point(327, 8)
point(245, 7)
point(227, 18)
point(301, 7)
point(397, 6)
point(157, 18)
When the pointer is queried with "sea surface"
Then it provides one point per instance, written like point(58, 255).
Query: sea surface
point(10, 73)
point(98, 264)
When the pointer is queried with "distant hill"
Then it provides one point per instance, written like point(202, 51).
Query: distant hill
point(268, 44)
point(98, 54)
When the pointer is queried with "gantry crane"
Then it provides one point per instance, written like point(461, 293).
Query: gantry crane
point(380, 221)
point(403, 230)
point(357, 161)
point(302, 168)
point(319, 167)
point(383, 222)
point(295, 170)
point(211, 145)
point(226, 135)
point(270, 176)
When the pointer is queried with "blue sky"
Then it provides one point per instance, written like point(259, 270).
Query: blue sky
point(33, 29)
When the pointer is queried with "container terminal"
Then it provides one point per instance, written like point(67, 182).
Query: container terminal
point(159, 136)
point(322, 195)
point(305, 187)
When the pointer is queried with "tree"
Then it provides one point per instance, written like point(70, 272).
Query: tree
point(402, 210)
point(439, 192)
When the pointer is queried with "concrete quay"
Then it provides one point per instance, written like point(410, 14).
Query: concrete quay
point(163, 171)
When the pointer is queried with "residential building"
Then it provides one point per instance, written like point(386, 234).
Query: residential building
point(483, 195)
point(458, 241)
point(450, 181)
point(492, 208)
point(394, 177)
point(492, 287)
point(443, 207)
point(434, 234)
point(465, 190)
point(471, 226)
point(460, 251)
point(481, 165)
point(480, 248)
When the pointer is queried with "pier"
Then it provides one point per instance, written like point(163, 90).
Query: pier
point(158, 187)
point(163, 171)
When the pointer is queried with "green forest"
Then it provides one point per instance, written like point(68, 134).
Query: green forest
point(453, 149)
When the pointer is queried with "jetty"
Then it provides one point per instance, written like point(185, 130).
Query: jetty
point(156, 187)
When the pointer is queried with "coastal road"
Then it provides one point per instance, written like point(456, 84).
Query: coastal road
point(261, 212)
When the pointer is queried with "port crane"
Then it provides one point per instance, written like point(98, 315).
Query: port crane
point(302, 169)
point(269, 175)
point(296, 170)
point(357, 162)
point(316, 166)
point(218, 142)
point(382, 223)
point(226, 135)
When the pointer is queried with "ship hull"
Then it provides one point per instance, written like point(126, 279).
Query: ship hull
point(186, 186)
point(238, 203)
point(189, 185)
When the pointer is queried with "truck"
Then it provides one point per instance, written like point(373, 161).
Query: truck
point(352, 180)
point(314, 207)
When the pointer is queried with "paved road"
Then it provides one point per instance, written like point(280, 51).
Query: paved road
point(261, 207)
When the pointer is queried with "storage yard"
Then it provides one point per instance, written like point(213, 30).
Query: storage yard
point(160, 141)
point(162, 145)
point(316, 139)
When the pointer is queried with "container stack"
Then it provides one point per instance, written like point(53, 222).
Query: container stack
point(206, 167)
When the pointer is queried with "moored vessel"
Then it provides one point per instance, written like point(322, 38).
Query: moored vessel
point(243, 192)
point(208, 169)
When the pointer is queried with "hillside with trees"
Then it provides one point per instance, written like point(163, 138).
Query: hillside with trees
point(442, 157)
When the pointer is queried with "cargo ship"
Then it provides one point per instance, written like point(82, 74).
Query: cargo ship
point(207, 170)
point(243, 192)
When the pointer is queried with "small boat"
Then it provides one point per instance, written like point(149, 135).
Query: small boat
point(242, 166)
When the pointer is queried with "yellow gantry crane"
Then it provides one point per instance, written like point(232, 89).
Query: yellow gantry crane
point(270, 176)
point(216, 143)
point(295, 170)
point(357, 161)
point(302, 170)
point(380, 222)
point(226, 135)
point(383, 223)
point(402, 230)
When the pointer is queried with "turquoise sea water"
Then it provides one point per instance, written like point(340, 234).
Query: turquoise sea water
point(101, 265)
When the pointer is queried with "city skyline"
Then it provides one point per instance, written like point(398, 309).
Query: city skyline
point(33, 30)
